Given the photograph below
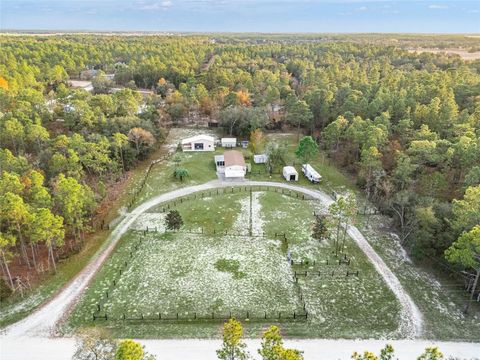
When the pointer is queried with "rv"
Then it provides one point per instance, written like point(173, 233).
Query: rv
point(311, 174)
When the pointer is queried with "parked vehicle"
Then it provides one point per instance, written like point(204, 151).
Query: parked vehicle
point(311, 174)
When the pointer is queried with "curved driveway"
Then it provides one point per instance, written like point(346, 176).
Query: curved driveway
point(42, 322)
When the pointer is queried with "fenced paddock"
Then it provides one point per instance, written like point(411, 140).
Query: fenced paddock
point(245, 252)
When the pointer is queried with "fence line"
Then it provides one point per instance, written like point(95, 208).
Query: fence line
point(202, 231)
point(331, 274)
point(302, 263)
point(213, 316)
point(232, 190)
point(118, 273)
point(145, 178)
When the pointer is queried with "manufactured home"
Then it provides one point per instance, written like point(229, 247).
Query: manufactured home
point(311, 174)
point(231, 163)
point(229, 142)
point(290, 174)
point(199, 143)
point(234, 164)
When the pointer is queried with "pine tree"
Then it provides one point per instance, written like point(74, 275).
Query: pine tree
point(173, 220)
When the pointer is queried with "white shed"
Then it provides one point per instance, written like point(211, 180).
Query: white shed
point(229, 142)
point(199, 143)
point(290, 174)
point(234, 164)
point(260, 159)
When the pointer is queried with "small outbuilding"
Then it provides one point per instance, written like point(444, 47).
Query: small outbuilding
point(260, 159)
point(229, 142)
point(290, 174)
point(199, 143)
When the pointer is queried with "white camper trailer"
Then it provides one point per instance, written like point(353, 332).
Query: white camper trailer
point(311, 174)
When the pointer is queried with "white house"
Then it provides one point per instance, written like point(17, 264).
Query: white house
point(290, 174)
point(229, 142)
point(199, 143)
point(231, 163)
point(260, 159)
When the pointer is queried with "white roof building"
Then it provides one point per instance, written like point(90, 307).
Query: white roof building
point(290, 174)
point(199, 143)
point(229, 142)
point(260, 159)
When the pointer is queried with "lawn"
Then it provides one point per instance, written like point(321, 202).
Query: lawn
point(242, 269)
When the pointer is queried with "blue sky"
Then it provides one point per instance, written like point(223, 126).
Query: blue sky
point(443, 16)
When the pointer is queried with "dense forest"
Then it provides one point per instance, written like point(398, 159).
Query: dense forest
point(406, 126)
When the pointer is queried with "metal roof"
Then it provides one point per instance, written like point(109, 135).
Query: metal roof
point(198, 138)
point(234, 157)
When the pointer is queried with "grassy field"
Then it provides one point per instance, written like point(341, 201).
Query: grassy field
point(193, 273)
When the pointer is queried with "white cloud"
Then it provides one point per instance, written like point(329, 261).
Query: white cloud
point(437, 6)
point(155, 6)
point(362, 8)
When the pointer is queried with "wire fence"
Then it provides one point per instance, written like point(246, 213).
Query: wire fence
point(210, 232)
point(165, 207)
point(145, 178)
point(133, 316)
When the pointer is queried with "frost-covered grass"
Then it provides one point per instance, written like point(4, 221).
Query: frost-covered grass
point(189, 273)
point(438, 297)
point(215, 212)
point(186, 273)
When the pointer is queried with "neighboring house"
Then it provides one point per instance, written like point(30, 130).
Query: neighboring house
point(229, 142)
point(81, 84)
point(231, 163)
point(88, 74)
point(260, 159)
point(199, 143)
point(290, 174)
